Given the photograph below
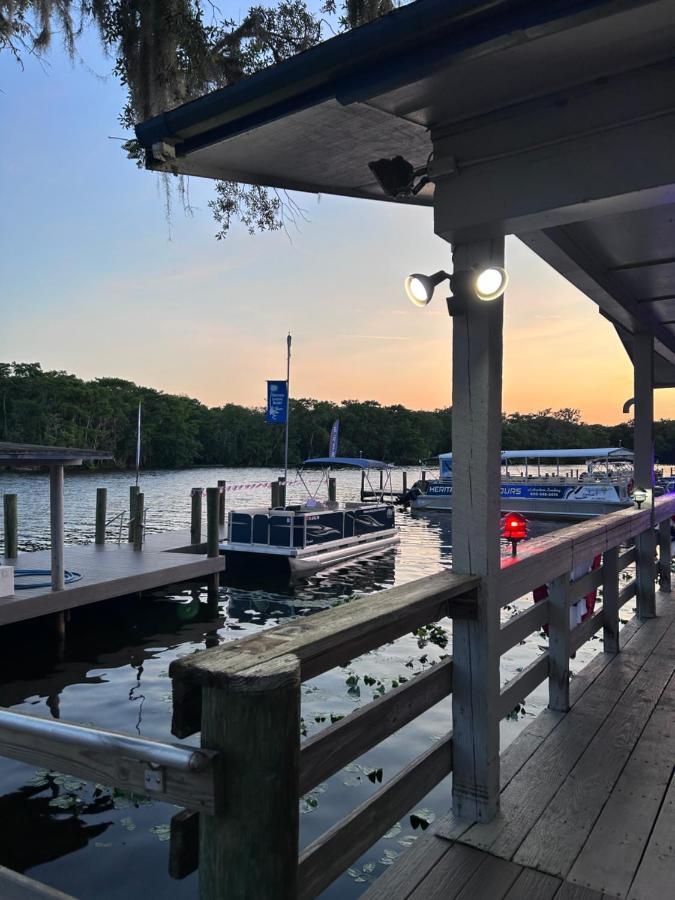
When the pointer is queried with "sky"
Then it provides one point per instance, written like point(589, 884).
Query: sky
point(97, 282)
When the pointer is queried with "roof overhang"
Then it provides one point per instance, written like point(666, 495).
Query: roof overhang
point(33, 455)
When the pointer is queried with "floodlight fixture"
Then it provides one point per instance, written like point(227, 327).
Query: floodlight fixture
point(491, 283)
point(396, 176)
point(420, 288)
point(484, 284)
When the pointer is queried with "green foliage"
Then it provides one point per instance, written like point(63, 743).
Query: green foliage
point(57, 408)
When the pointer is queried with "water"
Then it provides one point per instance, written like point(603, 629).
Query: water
point(96, 843)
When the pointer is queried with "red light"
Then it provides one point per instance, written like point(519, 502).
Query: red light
point(514, 527)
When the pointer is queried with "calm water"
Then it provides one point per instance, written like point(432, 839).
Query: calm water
point(96, 843)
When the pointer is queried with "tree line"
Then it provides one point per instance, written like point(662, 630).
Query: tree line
point(57, 408)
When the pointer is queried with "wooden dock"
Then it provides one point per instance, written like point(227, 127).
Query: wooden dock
point(587, 804)
point(110, 571)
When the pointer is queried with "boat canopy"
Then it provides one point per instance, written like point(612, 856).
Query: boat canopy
point(609, 453)
point(356, 461)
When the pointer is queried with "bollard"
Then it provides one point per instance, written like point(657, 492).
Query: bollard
point(332, 490)
point(221, 502)
point(101, 505)
point(11, 528)
point(138, 527)
point(134, 490)
point(196, 516)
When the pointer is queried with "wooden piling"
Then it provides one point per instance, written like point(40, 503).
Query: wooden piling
point(282, 492)
point(11, 526)
point(363, 484)
point(213, 537)
point(134, 490)
point(56, 525)
point(275, 502)
point(101, 507)
point(139, 527)
point(221, 502)
point(253, 718)
point(381, 479)
point(405, 483)
point(332, 489)
point(196, 516)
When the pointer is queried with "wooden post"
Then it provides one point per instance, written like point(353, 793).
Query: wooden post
point(101, 506)
point(332, 489)
point(275, 495)
point(282, 492)
point(250, 848)
point(196, 516)
point(213, 537)
point(405, 483)
point(665, 551)
point(139, 528)
point(221, 502)
point(134, 490)
point(381, 479)
point(643, 449)
point(56, 522)
point(11, 526)
point(476, 445)
point(559, 644)
point(363, 484)
point(610, 600)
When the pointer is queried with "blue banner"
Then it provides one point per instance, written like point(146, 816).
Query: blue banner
point(277, 399)
point(334, 434)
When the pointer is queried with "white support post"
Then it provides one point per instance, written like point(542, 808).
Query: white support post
point(476, 445)
point(56, 521)
point(643, 448)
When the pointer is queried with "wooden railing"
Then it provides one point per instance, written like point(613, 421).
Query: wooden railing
point(245, 697)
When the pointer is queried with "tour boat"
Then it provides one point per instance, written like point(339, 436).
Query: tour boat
point(585, 483)
point(300, 539)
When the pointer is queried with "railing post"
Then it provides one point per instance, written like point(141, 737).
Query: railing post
point(221, 502)
point(134, 491)
point(559, 644)
point(250, 848)
point(476, 445)
point(11, 529)
point(665, 551)
point(610, 600)
point(101, 505)
point(196, 516)
point(643, 444)
point(139, 526)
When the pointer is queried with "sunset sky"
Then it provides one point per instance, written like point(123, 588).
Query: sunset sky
point(95, 281)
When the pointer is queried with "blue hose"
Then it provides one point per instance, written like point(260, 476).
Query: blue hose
point(68, 578)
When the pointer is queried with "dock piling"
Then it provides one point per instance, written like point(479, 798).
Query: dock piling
point(11, 526)
point(139, 526)
point(101, 507)
point(275, 500)
point(56, 507)
point(196, 516)
point(221, 502)
point(282, 492)
point(134, 490)
point(405, 483)
point(213, 495)
point(332, 489)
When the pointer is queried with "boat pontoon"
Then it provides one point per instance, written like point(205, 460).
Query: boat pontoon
point(576, 484)
point(300, 539)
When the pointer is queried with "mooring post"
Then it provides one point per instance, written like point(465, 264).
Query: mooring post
point(405, 483)
point(56, 525)
point(282, 492)
point(250, 849)
point(212, 537)
point(332, 489)
point(134, 491)
point(101, 506)
point(221, 502)
point(665, 552)
point(11, 526)
point(274, 502)
point(196, 516)
point(363, 484)
point(381, 479)
point(140, 526)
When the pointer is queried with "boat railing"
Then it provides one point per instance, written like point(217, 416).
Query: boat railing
point(245, 697)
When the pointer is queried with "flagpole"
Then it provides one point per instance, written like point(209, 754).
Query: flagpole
point(138, 442)
point(288, 404)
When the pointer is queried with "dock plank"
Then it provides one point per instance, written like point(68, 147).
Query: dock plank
point(450, 874)
point(492, 879)
point(414, 864)
point(655, 875)
point(557, 838)
point(532, 885)
point(611, 854)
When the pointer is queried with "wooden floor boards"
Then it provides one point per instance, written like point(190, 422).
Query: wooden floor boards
point(587, 806)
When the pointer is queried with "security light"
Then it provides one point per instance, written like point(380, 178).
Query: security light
point(396, 176)
point(420, 288)
point(485, 284)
